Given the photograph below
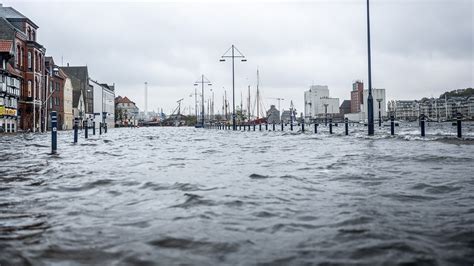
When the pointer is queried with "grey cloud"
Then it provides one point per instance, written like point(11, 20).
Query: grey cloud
point(420, 48)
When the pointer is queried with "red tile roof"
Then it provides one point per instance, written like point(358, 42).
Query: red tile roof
point(123, 100)
point(6, 46)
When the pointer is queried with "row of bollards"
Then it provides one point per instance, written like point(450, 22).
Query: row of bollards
point(422, 123)
point(85, 126)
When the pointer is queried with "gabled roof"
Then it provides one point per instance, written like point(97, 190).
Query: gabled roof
point(6, 46)
point(123, 100)
point(346, 104)
point(78, 72)
point(13, 14)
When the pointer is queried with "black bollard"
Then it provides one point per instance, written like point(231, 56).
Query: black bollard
point(291, 126)
point(93, 128)
point(76, 128)
point(100, 128)
point(253, 127)
point(266, 126)
point(330, 126)
point(459, 126)
point(392, 125)
point(315, 128)
point(54, 132)
point(302, 127)
point(422, 124)
point(346, 124)
point(273, 126)
point(86, 128)
point(282, 126)
point(260, 127)
point(105, 128)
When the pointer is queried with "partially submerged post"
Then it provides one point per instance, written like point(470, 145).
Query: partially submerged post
point(458, 125)
point(330, 126)
point(86, 128)
point(346, 124)
point(76, 127)
point(422, 125)
point(54, 132)
point(392, 125)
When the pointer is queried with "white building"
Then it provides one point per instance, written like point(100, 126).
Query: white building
point(104, 104)
point(378, 96)
point(68, 110)
point(317, 102)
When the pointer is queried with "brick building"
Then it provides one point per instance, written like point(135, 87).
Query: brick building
point(28, 62)
point(357, 96)
point(54, 97)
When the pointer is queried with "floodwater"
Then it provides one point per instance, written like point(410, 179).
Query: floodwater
point(196, 196)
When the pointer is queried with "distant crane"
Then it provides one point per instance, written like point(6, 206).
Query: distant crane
point(178, 112)
point(279, 100)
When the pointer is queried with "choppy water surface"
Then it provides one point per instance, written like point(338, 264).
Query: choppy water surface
point(193, 196)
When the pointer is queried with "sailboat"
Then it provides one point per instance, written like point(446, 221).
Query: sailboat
point(260, 117)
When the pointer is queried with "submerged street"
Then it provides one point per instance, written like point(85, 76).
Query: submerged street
point(197, 196)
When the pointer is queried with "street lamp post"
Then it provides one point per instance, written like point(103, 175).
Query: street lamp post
point(370, 99)
point(203, 81)
point(233, 55)
point(380, 112)
point(326, 114)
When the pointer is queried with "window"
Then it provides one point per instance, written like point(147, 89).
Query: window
point(29, 60)
point(29, 88)
point(18, 55)
point(22, 51)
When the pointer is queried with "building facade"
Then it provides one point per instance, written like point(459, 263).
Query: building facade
point(68, 104)
point(79, 76)
point(434, 109)
point(273, 115)
point(357, 96)
point(55, 78)
point(9, 89)
point(126, 112)
point(28, 60)
point(318, 103)
point(104, 103)
point(380, 107)
point(345, 107)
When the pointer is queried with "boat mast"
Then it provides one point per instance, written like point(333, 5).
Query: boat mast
point(248, 106)
point(258, 95)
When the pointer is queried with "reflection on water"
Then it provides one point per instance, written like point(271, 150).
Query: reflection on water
point(185, 195)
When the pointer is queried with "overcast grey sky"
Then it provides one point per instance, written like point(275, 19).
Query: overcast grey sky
point(419, 47)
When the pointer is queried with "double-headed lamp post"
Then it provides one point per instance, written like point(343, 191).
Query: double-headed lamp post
point(233, 53)
point(203, 81)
